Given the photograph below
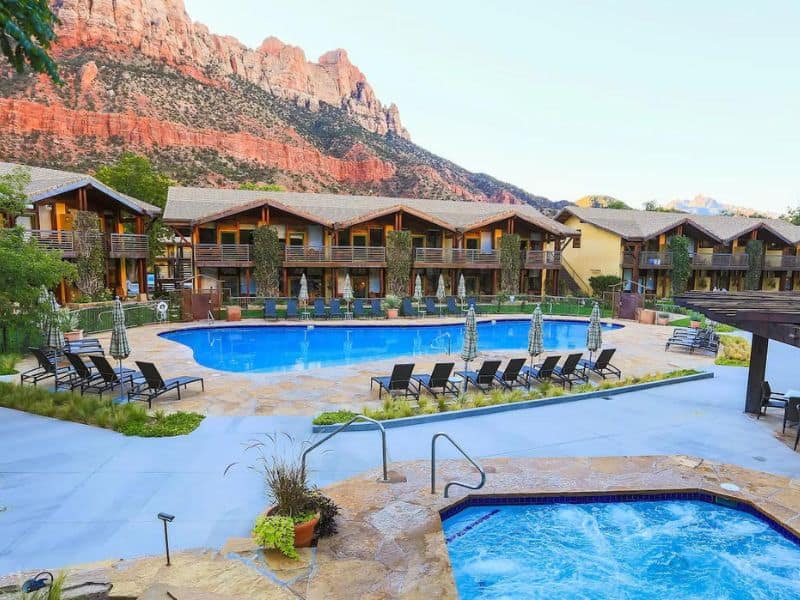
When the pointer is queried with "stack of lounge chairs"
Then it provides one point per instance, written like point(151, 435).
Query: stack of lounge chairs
point(369, 309)
point(704, 340)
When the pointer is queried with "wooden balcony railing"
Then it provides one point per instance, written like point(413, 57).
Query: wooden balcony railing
point(222, 255)
point(335, 254)
point(542, 259)
point(655, 260)
point(778, 262)
point(128, 245)
point(54, 240)
point(720, 260)
point(458, 256)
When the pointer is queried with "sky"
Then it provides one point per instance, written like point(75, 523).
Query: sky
point(642, 101)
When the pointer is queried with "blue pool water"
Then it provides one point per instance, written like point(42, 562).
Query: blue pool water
point(671, 549)
point(292, 347)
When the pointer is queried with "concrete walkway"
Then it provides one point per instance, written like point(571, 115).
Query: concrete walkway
point(73, 494)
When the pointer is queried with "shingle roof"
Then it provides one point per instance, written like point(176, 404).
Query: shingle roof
point(194, 205)
point(643, 225)
point(46, 183)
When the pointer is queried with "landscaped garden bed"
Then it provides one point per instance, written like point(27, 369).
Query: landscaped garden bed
point(127, 418)
point(734, 351)
point(398, 412)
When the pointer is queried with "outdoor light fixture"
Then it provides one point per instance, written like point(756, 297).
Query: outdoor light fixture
point(166, 519)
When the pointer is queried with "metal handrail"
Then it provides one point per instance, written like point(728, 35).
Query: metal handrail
point(342, 428)
point(467, 456)
point(447, 335)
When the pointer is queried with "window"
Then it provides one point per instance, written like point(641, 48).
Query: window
point(576, 241)
point(472, 243)
point(417, 241)
point(246, 236)
point(360, 239)
point(227, 237)
point(208, 235)
point(297, 238)
point(376, 237)
point(434, 238)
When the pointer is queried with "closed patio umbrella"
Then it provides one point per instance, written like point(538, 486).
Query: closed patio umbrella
point(53, 336)
point(418, 290)
point(440, 293)
point(536, 334)
point(469, 349)
point(119, 347)
point(594, 333)
point(347, 290)
point(302, 296)
point(462, 289)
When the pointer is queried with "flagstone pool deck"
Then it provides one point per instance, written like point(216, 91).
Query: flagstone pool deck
point(640, 350)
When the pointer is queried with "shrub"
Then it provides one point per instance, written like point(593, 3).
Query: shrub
point(330, 418)
point(7, 363)
point(755, 253)
point(603, 283)
point(510, 263)
point(399, 260)
point(267, 260)
point(391, 302)
point(276, 533)
point(678, 245)
point(735, 351)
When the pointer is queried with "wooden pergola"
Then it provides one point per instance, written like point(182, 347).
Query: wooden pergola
point(767, 315)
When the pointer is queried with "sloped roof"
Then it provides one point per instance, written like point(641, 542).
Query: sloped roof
point(643, 225)
point(197, 205)
point(46, 183)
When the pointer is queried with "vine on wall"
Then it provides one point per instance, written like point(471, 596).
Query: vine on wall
point(510, 263)
point(90, 254)
point(267, 261)
point(755, 254)
point(681, 263)
point(398, 262)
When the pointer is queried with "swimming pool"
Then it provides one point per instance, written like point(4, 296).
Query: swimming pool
point(296, 347)
point(629, 547)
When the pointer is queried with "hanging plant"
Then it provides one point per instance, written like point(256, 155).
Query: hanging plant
point(755, 254)
point(267, 261)
point(90, 254)
point(398, 262)
point(510, 263)
point(681, 263)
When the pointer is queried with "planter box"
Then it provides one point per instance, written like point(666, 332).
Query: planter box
point(234, 313)
point(647, 316)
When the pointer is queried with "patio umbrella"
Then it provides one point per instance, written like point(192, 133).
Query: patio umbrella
point(440, 293)
point(53, 336)
point(303, 295)
point(535, 334)
point(119, 347)
point(462, 289)
point(347, 291)
point(594, 334)
point(44, 304)
point(469, 349)
point(418, 290)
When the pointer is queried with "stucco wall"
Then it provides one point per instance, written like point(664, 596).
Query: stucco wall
point(599, 253)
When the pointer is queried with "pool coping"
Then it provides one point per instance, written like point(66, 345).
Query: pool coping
point(498, 408)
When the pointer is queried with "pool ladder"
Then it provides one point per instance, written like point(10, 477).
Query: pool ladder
point(342, 428)
point(435, 344)
point(452, 483)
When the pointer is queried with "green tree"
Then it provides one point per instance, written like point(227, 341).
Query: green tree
point(262, 187)
point(755, 258)
point(618, 204)
point(135, 176)
point(398, 262)
point(267, 260)
point(12, 194)
point(26, 32)
point(792, 215)
point(510, 263)
point(90, 255)
point(679, 245)
point(24, 268)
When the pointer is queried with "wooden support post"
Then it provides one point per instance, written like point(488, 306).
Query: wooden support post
point(286, 291)
point(756, 372)
point(635, 269)
point(247, 281)
point(142, 267)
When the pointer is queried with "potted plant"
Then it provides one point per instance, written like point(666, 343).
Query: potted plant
point(662, 318)
point(69, 323)
point(391, 304)
point(695, 320)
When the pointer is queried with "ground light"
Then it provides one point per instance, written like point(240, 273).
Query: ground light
point(166, 519)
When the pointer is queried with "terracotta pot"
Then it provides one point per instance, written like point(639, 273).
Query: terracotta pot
point(647, 316)
point(303, 533)
point(234, 313)
point(73, 336)
point(392, 313)
point(663, 321)
point(695, 324)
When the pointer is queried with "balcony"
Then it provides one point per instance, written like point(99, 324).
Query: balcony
point(718, 260)
point(779, 262)
point(117, 245)
point(54, 240)
point(332, 256)
point(128, 245)
point(542, 259)
point(457, 257)
point(655, 260)
point(223, 255)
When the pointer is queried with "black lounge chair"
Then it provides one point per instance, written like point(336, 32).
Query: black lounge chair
point(319, 309)
point(430, 307)
point(85, 346)
point(154, 385)
point(46, 369)
point(358, 308)
point(375, 308)
point(84, 375)
point(541, 372)
point(452, 307)
point(109, 376)
point(602, 365)
point(438, 381)
point(270, 309)
point(336, 309)
point(291, 308)
point(400, 381)
point(407, 309)
point(511, 377)
point(770, 399)
point(484, 378)
point(571, 371)
point(705, 340)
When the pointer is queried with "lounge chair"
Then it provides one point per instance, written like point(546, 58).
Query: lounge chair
point(541, 372)
point(154, 385)
point(270, 309)
point(438, 381)
point(571, 371)
point(400, 381)
point(85, 375)
point(336, 309)
point(358, 308)
point(687, 340)
point(375, 308)
point(319, 309)
point(291, 308)
point(474, 303)
point(430, 307)
point(770, 399)
point(602, 365)
point(85, 346)
point(407, 309)
point(46, 369)
point(452, 307)
point(109, 376)
point(510, 377)
point(484, 378)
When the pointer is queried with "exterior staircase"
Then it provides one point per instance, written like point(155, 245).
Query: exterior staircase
point(571, 281)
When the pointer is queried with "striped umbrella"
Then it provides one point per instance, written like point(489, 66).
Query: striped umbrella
point(44, 305)
point(53, 336)
point(462, 289)
point(347, 290)
point(469, 349)
point(594, 334)
point(119, 347)
point(440, 292)
point(418, 290)
point(536, 334)
point(303, 295)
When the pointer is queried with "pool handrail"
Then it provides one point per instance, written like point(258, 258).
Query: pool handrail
point(342, 428)
point(435, 437)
